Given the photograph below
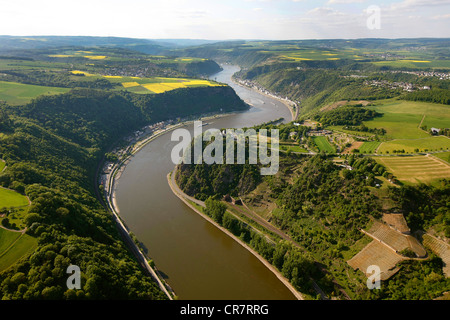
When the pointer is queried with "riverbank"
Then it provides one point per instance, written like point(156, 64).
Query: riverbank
point(109, 194)
point(289, 104)
point(184, 197)
point(126, 235)
point(156, 178)
point(118, 168)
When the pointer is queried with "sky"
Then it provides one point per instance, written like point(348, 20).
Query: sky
point(227, 19)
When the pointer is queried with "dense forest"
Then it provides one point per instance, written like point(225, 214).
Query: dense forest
point(55, 79)
point(434, 95)
point(350, 116)
point(52, 147)
point(323, 207)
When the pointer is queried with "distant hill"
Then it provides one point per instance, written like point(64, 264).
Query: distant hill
point(11, 43)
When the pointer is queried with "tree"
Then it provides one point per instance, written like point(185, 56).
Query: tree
point(215, 209)
point(5, 222)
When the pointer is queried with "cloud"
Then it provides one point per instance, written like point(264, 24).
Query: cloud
point(414, 4)
point(324, 11)
point(441, 17)
point(233, 19)
point(192, 14)
point(344, 1)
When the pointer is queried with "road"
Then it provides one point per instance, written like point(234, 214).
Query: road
point(246, 212)
point(185, 198)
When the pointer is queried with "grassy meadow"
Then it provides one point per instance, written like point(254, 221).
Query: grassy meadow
point(403, 119)
point(292, 148)
point(19, 93)
point(10, 198)
point(416, 64)
point(429, 144)
point(323, 144)
point(445, 156)
point(416, 169)
point(13, 246)
point(406, 124)
point(369, 147)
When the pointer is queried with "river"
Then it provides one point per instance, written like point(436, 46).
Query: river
point(199, 261)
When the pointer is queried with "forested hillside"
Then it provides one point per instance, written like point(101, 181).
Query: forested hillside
point(51, 147)
point(323, 207)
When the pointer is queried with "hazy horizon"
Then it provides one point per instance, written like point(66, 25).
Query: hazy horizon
point(222, 40)
point(233, 20)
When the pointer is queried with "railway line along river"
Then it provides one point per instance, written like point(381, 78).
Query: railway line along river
point(199, 261)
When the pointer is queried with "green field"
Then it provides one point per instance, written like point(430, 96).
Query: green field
point(415, 169)
point(19, 93)
point(292, 148)
point(415, 63)
point(401, 119)
point(15, 205)
point(7, 238)
point(296, 51)
point(350, 132)
point(13, 246)
point(410, 146)
point(323, 144)
point(316, 54)
point(442, 121)
point(369, 147)
point(443, 156)
point(10, 198)
point(10, 64)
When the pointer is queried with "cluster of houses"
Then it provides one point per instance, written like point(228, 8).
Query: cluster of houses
point(440, 75)
point(263, 90)
point(406, 86)
point(148, 130)
point(136, 135)
point(320, 133)
point(140, 71)
point(386, 56)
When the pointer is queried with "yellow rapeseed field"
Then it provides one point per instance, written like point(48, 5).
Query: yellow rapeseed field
point(174, 85)
point(60, 55)
point(130, 84)
point(294, 58)
point(167, 84)
point(200, 82)
point(81, 72)
point(95, 57)
point(156, 87)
